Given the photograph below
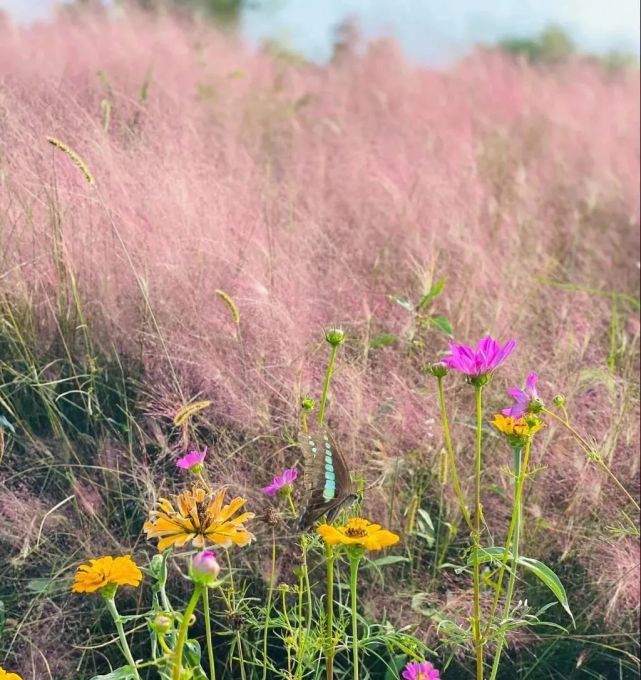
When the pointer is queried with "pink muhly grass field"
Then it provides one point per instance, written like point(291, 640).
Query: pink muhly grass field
point(310, 194)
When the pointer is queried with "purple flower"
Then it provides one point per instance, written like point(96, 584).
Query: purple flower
point(192, 461)
point(422, 670)
point(487, 356)
point(281, 481)
point(522, 398)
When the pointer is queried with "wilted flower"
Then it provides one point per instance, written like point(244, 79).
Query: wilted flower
point(525, 400)
point(281, 482)
point(358, 532)
point(199, 516)
point(205, 568)
point(192, 461)
point(420, 670)
point(106, 572)
point(483, 360)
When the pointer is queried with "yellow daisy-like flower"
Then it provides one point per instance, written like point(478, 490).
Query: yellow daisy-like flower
point(106, 572)
point(358, 531)
point(519, 427)
point(6, 675)
point(199, 516)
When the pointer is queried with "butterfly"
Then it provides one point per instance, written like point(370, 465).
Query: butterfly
point(327, 479)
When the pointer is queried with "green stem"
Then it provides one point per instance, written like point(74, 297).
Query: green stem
point(268, 609)
point(354, 562)
point(328, 377)
point(519, 475)
point(182, 633)
point(210, 645)
point(329, 654)
point(111, 606)
point(516, 518)
point(450, 456)
point(476, 534)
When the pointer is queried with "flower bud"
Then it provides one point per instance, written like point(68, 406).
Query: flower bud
point(204, 568)
point(559, 400)
point(437, 369)
point(307, 403)
point(161, 624)
point(335, 336)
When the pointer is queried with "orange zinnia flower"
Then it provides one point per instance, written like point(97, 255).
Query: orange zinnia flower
point(106, 572)
point(358, 531)
point(199, 516)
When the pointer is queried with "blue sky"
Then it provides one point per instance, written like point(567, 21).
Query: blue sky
point(430, 31)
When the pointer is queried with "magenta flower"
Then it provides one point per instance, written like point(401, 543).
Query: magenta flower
point(422, 670)
point(522, 398)
point(192, 461)
point(281, 481)
point(487, 356)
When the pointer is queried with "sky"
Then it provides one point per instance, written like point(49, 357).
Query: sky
point(430, 31)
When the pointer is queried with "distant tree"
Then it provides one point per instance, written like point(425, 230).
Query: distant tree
point(552, 46)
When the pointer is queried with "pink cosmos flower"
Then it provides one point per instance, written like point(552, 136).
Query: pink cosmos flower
point(487, 356)
point(522, 398)
point(422, 670)
point(191, 460)
point(281, 481)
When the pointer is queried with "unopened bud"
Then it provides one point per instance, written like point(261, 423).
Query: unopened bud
point(559, 400)
point(161, 624)
point(335, 336)
point(307, 403)
point(205, 568)
point(438, 369)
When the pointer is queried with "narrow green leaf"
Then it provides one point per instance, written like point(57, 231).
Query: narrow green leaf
point(389, 559)
point(122, 673)
point(433, 293)
point(393, 671)
point(5, 423)
point(442, 323)
point(540, 570)
point(383, 340)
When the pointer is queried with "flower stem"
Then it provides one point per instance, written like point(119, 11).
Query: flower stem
point(328, 377)
point(476, 534)
point(591, 454)
point(210, 645)
point(268, 609)
point(111, 606)
point(329, 653)
point(450, 456)
point(519, 474)
point(182, 633)
point(354, 562)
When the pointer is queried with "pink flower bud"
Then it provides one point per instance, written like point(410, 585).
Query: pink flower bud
point(205, 568)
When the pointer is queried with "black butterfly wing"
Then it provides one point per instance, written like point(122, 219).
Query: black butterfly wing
point(321, 497)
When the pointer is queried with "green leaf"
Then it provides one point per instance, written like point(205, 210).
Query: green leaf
point(434, 292)
point(383, 340)
point(426, 527)
point(394, 670)
point(122, 673)
point(403, 301)
point(540, 570)
point(389, 559)
point(442, 323)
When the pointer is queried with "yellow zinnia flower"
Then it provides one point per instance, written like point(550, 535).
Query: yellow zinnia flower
point(5, 675)
point(199, 516)
point(358, 531)
point(517, 427)
point(104, 572)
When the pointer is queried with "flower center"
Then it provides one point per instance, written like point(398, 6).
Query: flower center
point(355, 532)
